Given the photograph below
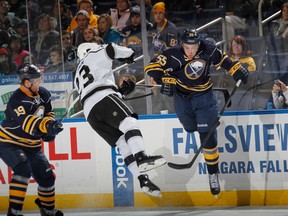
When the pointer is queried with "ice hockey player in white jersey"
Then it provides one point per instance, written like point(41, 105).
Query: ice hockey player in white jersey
point(106, 111)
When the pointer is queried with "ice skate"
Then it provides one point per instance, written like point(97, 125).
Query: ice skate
point(148, 186)
point(214, 184)
point(47, 212)
point(146, 163)
point(14, 212)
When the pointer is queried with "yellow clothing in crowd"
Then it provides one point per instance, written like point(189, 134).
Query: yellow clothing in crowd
point(93, 22)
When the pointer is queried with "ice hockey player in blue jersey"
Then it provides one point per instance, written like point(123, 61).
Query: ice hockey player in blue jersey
point(183, 72)
point(29, 121)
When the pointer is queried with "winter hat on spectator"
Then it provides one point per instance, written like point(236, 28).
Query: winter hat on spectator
point(135, 10)
point(81, 1)
point(23, 22)
point(4, 51)
point(159, 7)
point(83, 12)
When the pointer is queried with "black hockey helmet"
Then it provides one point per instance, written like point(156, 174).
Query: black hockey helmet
point(28, 71)
point(190, 36)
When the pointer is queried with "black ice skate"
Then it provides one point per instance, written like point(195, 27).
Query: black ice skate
point(149, 187)
point(14, 212)
point(146, 163)
point(214, 184)
point(47, 212)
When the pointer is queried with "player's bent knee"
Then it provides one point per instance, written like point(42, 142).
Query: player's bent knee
point(129, 123)
point(212, 140)
point(23, 169)
point(47, 180)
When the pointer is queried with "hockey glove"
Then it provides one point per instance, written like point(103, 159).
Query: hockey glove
point(239, 73)
point(128, 60)
point(54, 127)
point(127, 87)
point(168, 86)
point(48, 138)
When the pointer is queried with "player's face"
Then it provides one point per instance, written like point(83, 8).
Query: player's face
point(33, 85)
point(190, 50)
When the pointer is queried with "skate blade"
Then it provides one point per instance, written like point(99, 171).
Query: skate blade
point(149, 166)
point(155, 193)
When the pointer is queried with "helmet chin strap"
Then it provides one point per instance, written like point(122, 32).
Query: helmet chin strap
point(30, 88)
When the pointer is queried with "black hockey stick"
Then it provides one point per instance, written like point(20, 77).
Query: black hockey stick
point(214, 126)
point(225, 93)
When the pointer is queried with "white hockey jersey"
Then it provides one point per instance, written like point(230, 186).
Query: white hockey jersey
point(94, 78)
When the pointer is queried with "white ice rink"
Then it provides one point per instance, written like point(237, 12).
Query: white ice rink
point(221, 211)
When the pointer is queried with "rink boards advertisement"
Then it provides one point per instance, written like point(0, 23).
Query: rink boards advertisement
point(253, 167)
point(59, 84)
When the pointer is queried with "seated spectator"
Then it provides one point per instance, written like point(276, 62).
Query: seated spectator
point(4, 38)
point(237, 13)
point(279, 95)
point(132, 32)
point(17, 7)
point(71, 51)
point(90, 34)
point(64, 18)
point(6, 21)
point(56, 61)
point(43, 38)
point(18, 52)
point(82, 18)
point(106, 32)
point(22, 29)
point(139, 105)
point(279, 27)
point(148, 7)
point(86, 5)
point(120, 15)
point(7, 67)
point(239, 51)
point(164, 33)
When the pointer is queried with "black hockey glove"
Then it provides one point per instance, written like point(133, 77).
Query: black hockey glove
point(168, 86)
point(48, 138)
point(128, 60)
point(127, 87)
point(54, 128)
point(239, 73)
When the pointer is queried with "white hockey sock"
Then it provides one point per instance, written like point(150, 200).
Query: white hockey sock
point(134, 169)
point(130, 127)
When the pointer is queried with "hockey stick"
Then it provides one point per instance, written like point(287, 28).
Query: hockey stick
point(224, 91)
point(214, 126)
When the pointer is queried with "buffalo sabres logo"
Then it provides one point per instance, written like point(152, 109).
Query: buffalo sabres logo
point(194, 69)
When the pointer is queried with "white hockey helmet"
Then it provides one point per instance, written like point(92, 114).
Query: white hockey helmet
point(84, 48)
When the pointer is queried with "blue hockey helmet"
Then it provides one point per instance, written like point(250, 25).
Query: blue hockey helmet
point(28, 71)
point(190, 36)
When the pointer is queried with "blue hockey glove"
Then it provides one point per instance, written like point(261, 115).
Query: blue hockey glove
point(168, 85)
point(239, 73)
point(54, 127)
point(127, 87)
